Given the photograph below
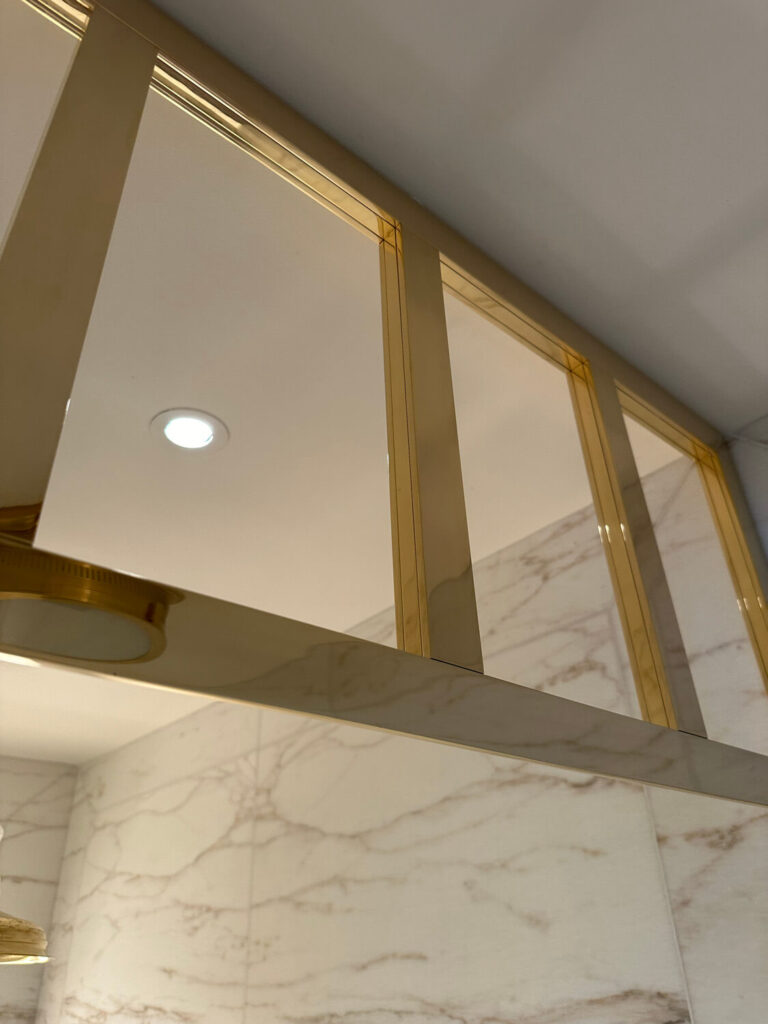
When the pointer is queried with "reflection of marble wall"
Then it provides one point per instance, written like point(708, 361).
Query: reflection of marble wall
point(251, 865)
point(547, 617)
point(728, 682)
point(35, 801)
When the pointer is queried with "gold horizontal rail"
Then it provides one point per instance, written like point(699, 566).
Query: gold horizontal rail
point(240, 654)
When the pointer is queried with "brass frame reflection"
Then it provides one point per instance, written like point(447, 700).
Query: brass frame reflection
point(215, 647)
point(645, 654)
point(749, 593)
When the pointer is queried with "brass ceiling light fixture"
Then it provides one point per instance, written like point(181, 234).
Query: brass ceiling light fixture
point(76, 612)
point(21, 942)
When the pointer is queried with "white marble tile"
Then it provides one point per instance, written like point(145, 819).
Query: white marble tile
point(62, 933)
point(35, 800)
point(715, 858)
point(159, 923)
point(548, 617)
point(395, 879)
point(218, 732)
point(728, 683)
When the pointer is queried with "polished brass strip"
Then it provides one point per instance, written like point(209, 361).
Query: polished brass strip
point(71, 15)
point(645, 653)
point(642, 643)
point(750, 594)
point(234, 653)
point(500, 313)
point(433, 565)
point(674, 677)
point(407, 552)
point(52, 260)
point(273, 152)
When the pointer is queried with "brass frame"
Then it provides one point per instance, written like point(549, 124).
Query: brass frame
point(436, 606)
point(662, 676)
point(750, 595)
point(229, 652)
point(130, 46)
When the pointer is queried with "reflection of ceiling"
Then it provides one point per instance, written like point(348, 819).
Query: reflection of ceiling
point(57, 715)
point(520, 452)
point(34, 57)
point(612, 155)
point(226, 289)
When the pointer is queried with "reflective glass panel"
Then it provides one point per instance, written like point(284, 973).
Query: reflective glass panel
point(548, 618)
point(728, 683)
point(227, 427)
point(35, 55)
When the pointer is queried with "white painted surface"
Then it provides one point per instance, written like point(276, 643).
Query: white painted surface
point(52, 714)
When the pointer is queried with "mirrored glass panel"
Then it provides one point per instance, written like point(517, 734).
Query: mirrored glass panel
point(728, 683)
point(548, 618)
point(35, 55)
point(227, 428)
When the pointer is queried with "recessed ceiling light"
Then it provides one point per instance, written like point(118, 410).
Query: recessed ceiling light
point(190, 429)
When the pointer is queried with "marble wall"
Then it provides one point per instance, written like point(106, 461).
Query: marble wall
point(252, 865)
point(249, 865)
point(35, 802)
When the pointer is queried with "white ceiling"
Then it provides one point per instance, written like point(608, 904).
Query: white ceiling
point(54, 714)
point(613, 155)
point(34, 58)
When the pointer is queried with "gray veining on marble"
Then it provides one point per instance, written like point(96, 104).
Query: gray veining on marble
point(715, 858)
point(396, 879)
point(35, 802)
point(250, 865)
point(728, 683)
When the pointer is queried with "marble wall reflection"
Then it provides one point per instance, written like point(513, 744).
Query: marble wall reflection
point(35, 803)
point(725, 673)
point(247, 865)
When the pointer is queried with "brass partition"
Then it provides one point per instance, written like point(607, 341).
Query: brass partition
point(750, 595)
point(434, 687)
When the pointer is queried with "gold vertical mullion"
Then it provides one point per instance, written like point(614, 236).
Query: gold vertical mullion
point(645, 656)
point(662, 636)
point(54, 253)
point(436, 605)
point(410, 596)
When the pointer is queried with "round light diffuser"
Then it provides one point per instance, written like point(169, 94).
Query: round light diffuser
point(190, 429)
point(77, 612)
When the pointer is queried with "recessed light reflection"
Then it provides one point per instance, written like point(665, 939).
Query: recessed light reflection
point(188, 432)
point(190, 429)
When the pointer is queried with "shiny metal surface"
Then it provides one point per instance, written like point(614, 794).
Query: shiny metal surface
point(722, 490)
point(642, 644)
point(49, 274)
point(53, 255)
point(433, 564)
point(78, 611)
point(236, 653)
point(674, 670)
